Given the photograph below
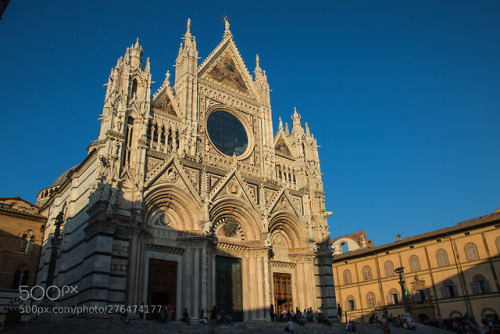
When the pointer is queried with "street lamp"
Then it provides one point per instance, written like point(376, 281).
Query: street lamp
point(400, 271)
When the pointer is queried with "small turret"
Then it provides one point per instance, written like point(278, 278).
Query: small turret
point(186, 75)
point(187, 60)
point(261, 83)
point(135, 55)
point(296, 126)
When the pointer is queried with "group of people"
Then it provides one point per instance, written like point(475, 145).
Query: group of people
point(165, 314)
point(299, 317)
point(468, 324)
point(221, 318)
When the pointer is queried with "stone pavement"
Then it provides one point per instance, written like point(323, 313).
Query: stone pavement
point(114, 325)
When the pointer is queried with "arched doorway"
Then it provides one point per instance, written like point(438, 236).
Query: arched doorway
point(162, 285)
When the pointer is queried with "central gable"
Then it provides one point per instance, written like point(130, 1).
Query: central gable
point(225, 72)
point(225, 67)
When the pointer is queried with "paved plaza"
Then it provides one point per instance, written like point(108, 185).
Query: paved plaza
point(114, 325)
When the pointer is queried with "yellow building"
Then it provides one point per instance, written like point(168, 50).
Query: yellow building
point(447, 272)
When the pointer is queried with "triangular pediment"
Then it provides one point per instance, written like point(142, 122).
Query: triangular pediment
point(172, 172)
point(282, 145)
point(163, 101)
point(225, 68)
point(285, 203)
point(234, 186)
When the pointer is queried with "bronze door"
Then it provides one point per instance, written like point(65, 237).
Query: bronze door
point(162, 285)
point(228, 287)
point(282, 284)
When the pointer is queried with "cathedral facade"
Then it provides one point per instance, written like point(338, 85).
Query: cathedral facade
point(188, 196)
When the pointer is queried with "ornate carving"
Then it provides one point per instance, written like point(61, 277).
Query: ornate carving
point(172, 174)
point(233, 187)
point(230, 228)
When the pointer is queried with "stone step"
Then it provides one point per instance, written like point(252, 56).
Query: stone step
point(114, 325)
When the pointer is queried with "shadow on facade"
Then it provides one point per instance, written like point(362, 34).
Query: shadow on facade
point(141, 259)
point(19, 259)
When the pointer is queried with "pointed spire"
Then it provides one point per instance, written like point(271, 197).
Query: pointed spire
point(307, 130)
point(147, 65)
point(258, 71)
point(286, 129)
point(296, 127)
point(280, 127)
point(188, 30)
point(136, 46)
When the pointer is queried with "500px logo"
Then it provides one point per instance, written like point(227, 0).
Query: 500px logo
point(52, 292)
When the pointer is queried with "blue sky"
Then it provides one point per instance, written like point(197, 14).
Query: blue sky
point(403, 96)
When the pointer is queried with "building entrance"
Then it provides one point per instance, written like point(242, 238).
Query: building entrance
point(282, 284)
point(228, 289)
point(162, 285)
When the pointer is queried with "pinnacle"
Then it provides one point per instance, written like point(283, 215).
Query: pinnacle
point(188, 26)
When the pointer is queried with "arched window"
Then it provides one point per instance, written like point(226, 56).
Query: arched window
point(350, 303)
point(24, 279)
point(345, 248)
point(24, 243)
point(480, 285)
point(31, 244)
point(17, 279)
point(27, 242)
point(471, 252)
point(134, 87)
point(393, 297)
point(489, 314)
point(442, 258)
point(389, 269)
point(455, 314)
point(414, 263)
point(449, 289)
point(370, 297)
point(367, 273)
point(347, 277)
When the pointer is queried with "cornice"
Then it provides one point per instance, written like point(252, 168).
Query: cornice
point(464, 226)
point(26, 216)
point(158, 155)
point(295, 192)
point(282, 264)
point(192, 164)
point(165, 249)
